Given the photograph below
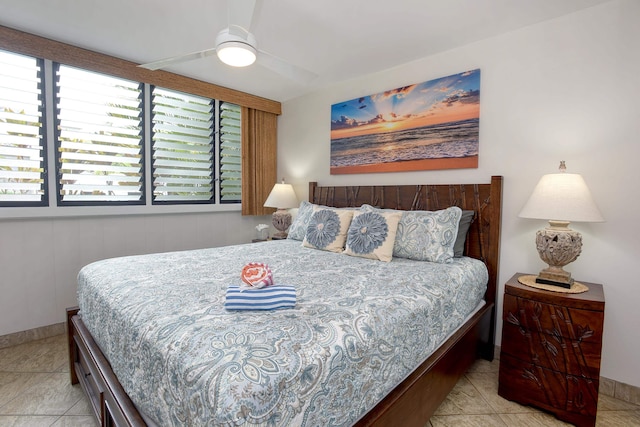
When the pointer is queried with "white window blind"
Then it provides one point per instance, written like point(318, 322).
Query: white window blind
point(22, 148)
point(183, 146)
point(99, 138)
point(230, 154)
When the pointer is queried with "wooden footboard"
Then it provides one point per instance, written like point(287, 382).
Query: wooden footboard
point(89, 367)
point(414, 400)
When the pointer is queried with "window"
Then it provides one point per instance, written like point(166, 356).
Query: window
point(259, 138)
point(183, 144)
point(100, 146)
point(99, 138)
point(22, 144)
point(230, 158)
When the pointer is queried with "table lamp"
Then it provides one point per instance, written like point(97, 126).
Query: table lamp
point(282, 197)
point(560, 198)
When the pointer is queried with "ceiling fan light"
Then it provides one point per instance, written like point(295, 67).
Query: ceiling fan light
point(236, 54)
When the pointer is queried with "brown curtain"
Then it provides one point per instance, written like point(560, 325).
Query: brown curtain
point(259, 159)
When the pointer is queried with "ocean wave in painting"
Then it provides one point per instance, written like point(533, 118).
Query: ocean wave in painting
point(441, 141)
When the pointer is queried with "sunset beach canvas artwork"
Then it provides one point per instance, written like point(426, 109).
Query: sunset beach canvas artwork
point(424, 126)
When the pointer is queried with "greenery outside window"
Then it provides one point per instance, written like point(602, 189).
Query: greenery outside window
point(182, 146)
point(99, 138)
point(23, 178)
point(230, 153)
point(258, 136)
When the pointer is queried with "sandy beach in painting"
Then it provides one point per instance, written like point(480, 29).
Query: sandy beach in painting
point(407, 165)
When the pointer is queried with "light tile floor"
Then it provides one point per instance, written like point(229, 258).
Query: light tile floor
point(35, 391)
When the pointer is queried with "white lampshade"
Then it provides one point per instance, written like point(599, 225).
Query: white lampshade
point(563, 197)
point(282, 196)
point(560, 198)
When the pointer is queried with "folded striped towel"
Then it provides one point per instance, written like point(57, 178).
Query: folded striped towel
point(268, 298)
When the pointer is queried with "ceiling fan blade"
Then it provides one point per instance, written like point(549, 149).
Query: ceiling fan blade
point(238, 31)
point(156, 65)
point(284, 68)
point(243, 14)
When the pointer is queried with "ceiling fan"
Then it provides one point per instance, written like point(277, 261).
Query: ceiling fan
point(237, 46)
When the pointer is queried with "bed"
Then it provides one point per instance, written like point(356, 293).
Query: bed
point(268, 368)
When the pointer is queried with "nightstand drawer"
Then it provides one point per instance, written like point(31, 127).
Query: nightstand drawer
point(574, 324)
point(527, 383)
point(551, 351)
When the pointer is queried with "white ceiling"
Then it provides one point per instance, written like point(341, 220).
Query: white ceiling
point(336, 39)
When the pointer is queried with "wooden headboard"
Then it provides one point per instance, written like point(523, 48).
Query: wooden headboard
point(483, 240)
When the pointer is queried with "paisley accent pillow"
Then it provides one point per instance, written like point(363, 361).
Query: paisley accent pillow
point(372, 234)
point(428, 235)
point(298, 228)
point(327, 229)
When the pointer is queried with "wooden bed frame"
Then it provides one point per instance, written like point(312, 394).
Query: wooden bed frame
point(414, 400)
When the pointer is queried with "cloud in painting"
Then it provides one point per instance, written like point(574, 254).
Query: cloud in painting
point(399, 93)
point(344, 123)
point(445, 100)
point(376, 119)
point(350, 123)
point(463, 97)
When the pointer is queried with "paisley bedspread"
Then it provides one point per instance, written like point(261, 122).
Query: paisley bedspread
point(358, 328)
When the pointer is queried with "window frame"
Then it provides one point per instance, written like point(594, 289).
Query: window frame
point(60, 202)
point(215, 181)
point(54, 207)
point(30, 44)
point(43, 133)
point(220, 148)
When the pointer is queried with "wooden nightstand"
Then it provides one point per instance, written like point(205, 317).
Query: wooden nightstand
point(550, 355)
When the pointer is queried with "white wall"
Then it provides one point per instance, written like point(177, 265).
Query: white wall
point(566, 89)
point(40, 258)
point(561, 90)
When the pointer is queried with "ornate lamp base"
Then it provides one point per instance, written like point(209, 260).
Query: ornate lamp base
point(557, 278)
point(281, 220)
point(558, 246)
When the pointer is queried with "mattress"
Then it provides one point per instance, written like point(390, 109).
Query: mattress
point(358, 328)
